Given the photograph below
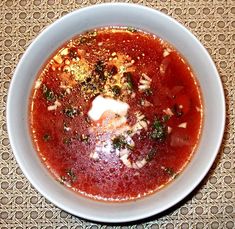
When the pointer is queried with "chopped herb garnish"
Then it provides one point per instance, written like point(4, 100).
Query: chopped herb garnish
point(66, 126)
point(88, 37)
point(116, 90)
point(73, 53)
point(169, 171)
point(71, 174)
point(48, 93)
point(84, 138)
point(113, 70)
point(99, 66)
point(129, 80)
point(61, 95)
point(120, 142)
point(159, 130)
point(117, 115)
point(87, 119)
point(99, 69)
point(62, 179)
point(67, 141)
point(165, 118)
point(92, 33)
point(88, 79)
point(128, 146)
point(151, 154)
point(46, 137)
point(142, 102)
point(71, 112)
point(83, 40)
point(129, 132)
point(148, 92)
point(177, 110)
point(131, 29)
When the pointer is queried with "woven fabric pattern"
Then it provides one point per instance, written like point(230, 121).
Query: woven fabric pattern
point(211, 205)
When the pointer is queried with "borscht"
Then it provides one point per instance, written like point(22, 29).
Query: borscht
point(116, 114)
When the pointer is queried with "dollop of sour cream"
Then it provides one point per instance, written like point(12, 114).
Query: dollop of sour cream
point(100, 105)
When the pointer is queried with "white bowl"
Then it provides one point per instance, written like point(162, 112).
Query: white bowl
point(106, 15)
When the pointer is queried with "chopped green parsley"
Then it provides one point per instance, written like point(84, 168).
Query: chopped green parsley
point(159, 130)
point(148, 92)
point(48, 93)
point(46, 137)
point(151, 154)
point(119, 142)
point(84, 138)
point(116, 90)
point(71, 174)
point(169, 171)
point(131, 29)
point(129, 80)
point(71, 112)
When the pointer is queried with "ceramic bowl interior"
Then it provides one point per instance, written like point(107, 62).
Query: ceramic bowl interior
point(115, 14)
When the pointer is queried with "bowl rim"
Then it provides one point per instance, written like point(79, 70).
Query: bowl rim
point(10, 128)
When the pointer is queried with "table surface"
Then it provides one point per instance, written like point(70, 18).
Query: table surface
point(211, 205)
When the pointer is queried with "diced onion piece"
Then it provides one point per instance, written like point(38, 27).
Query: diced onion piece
point(134, 166)
point(64, 51)
point(145, 82)
point(66, 87)
point(136, 128)
point(168, 111)
point(133, 95)
point(68, 90)
point(162, 69)
point(52, 107)
point(139, 116)
point(144, 87)
point(163, 66)
point(66, 68)
point(169, 129)
point(146, 77)
point(182, 125)
point(38, 84)
point(123, 152)
point(117, 122)
point(67, 62)
point(94, 156)
point(165, 52)
point(198, 109)
point(140, 124)
point(127, 65)
point(58, 59)
point(141, 163)
point(57, 103)
point(144, 124)
point(146, 103)
point(67, 128)
point(126, 161)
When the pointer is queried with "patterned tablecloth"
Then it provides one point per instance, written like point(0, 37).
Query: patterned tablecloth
point(211, 205)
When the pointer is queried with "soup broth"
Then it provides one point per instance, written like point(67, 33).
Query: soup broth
point(116, 114)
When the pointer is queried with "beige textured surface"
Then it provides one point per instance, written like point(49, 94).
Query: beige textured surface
point(211, 205)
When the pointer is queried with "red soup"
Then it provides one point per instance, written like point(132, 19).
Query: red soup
point(116, 114)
